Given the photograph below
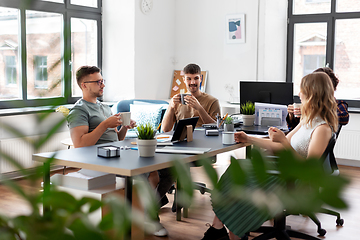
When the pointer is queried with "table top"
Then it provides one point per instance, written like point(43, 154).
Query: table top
point(129, 163)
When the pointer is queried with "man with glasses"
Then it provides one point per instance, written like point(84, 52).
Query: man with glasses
point(90, 121)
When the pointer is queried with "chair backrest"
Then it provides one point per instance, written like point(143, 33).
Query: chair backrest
point(330, 164)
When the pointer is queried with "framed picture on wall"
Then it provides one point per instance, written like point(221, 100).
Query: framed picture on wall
point(235, 28)
point(178, 85)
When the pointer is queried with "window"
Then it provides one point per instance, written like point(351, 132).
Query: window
point(325, 35)
point(10, 70)
point(40, 70)
point(42, 47)
point(312, 62)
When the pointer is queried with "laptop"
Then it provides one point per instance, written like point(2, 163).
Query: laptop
point(181, 126)
point(258, 129)
point(165, 139)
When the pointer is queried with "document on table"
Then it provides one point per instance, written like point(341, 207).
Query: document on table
point(185, 150)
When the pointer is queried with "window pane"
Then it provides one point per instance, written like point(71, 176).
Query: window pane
point(309, 50)
point(347, 58)
point(347, 6)
point(10, 84)
point(311, 6)
point(86, 3)
point(44, 46)
point(84, 48)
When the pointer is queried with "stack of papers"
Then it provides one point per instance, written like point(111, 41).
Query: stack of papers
point(84, 179)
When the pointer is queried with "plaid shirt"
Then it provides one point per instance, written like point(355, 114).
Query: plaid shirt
point(342, 111)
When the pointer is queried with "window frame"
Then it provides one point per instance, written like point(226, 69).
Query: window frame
point(330, 19)
point(67, 10)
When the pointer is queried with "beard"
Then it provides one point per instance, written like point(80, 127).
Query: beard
point(193, 88)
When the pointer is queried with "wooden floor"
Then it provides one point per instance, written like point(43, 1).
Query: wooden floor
point(201, 213)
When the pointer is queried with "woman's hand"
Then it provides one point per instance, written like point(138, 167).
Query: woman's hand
point(241, 137)
point(276, 135)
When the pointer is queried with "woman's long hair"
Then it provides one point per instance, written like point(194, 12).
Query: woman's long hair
point(318, 99)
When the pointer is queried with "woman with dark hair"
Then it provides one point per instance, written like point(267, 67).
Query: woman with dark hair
point(342, 106)
point(309, 139)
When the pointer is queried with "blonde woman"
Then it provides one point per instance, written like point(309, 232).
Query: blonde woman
point(310, 138)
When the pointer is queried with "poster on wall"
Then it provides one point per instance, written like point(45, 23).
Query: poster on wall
point(178, 85)
point(235, 28)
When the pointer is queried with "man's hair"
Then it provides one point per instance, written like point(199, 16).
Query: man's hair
point(85, 71)
point(192, 68)
point(331, 74)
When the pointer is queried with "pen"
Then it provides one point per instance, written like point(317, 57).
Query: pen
point(134, 148)
point(223, 119)
point(158, 127)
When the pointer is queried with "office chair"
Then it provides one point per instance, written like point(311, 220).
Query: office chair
point(280, 230)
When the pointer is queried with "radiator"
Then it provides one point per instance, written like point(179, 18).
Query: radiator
point(21, 151)
point(348, 145)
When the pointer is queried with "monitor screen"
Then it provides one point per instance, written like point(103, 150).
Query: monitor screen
point(266, 92)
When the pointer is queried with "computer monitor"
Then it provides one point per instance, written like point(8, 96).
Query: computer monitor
point(266, 92)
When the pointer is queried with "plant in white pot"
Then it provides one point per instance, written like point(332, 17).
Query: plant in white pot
point(146, 140)
point(229, 124)
point(248, 113)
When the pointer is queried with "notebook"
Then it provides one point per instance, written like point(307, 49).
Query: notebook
point(184, 150)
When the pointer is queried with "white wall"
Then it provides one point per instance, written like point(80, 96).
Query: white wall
point(118, 49)
point(178, 32)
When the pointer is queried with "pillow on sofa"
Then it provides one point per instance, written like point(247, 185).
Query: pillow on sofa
point(143, 113)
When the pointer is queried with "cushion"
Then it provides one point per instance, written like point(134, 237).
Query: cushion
point(143, 114)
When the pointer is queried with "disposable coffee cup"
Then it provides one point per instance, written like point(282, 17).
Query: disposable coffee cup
point(228, 138)
point(182, 95)
point(297, 105)
point(125, 118)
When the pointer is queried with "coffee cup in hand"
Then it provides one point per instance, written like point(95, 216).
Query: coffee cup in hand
point(297, 110)
point(182, 95)
point(125, 118)
point(228, 138)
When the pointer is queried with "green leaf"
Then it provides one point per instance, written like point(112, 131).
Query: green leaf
point(184, 181)
point(210, 171)
point(259, 166)
point(238, 175)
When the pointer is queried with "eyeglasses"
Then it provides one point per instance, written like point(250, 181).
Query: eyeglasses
point(99, 82)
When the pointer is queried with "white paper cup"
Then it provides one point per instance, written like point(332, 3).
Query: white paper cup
point(125, 118)
point(297, 106)
point(228, 138)
point(182, 95)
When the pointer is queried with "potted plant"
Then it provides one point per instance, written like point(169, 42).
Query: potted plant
point(146, 140)
point(229, 124)
point(248, 113)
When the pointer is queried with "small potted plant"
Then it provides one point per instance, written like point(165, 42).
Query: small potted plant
point(248, 113)
point(146, 140)
point(229, 124)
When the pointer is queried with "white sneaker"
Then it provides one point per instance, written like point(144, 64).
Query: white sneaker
point(155, 229)
point(161, 231)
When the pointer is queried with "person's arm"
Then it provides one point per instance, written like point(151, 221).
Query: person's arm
point(81, 137)
point(194, 103)
point(123, 130)
point(319, 140)
point(260, 142)
point(169, 119)
point(342, 111)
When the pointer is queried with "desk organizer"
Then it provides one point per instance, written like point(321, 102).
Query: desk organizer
point(108, 151)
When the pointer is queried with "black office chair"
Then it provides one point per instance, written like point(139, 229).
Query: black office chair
point(280, 230)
